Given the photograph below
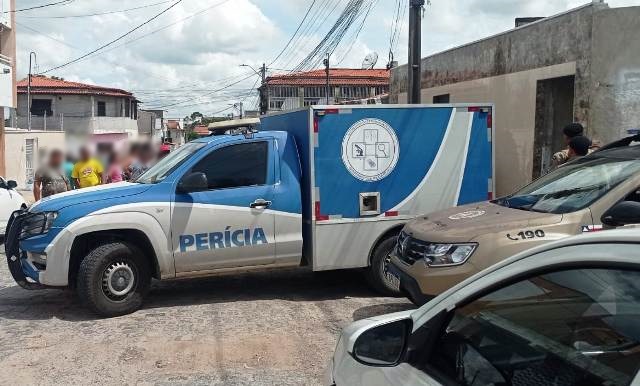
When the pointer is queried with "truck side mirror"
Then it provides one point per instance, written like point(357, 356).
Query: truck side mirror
point(621, 214)
point(11, 184)
point(193, 182)
point(383, 345)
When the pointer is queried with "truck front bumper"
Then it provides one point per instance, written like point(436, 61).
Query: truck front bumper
point(34, 265)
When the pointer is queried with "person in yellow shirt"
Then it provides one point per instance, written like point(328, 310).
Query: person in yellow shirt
point(87, 171)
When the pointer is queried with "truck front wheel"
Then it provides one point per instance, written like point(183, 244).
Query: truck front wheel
point(376, 274)
point(113, 279)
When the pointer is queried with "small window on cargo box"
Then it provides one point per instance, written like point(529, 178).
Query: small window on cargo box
point(41, 106)
point(102, 109)
point(444, 98)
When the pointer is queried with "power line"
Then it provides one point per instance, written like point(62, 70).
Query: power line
point(116, 39)
point(295, 33)
point(200, 96)
point(322, 11)
point(197, 13)
point(98, 13)
point(185, 87)
point(333, 38)
point(39, 6)
point(354, 36)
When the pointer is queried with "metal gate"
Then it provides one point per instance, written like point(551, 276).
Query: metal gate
point(29, 152)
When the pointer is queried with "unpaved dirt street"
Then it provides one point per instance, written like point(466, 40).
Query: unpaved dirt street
point(277, 328)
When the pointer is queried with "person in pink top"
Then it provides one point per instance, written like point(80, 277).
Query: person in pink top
point(114, 172)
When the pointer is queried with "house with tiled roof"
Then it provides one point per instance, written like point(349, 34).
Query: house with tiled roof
point(291, 91)
point(98, 114)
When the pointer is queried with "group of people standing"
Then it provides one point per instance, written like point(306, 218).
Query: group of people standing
point(60, 174)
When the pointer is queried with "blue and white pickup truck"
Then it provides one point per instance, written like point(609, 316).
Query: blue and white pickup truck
point(327, 187)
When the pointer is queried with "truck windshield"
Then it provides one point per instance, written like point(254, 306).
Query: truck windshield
point(572, 187)
point(162, 169)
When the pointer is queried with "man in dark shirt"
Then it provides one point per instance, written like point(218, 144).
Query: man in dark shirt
point(50, 178)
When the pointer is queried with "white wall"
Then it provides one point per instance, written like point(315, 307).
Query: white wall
point(15, 155)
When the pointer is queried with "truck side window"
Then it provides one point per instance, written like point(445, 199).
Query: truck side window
point(236, 165)
point(573, 327)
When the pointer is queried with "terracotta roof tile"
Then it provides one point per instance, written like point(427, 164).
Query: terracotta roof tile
point(45, 85)
point(337, 76)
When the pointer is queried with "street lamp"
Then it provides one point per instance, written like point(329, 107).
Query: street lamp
point(263, 75)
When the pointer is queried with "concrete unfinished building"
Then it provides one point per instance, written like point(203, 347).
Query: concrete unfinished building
point(581, 65)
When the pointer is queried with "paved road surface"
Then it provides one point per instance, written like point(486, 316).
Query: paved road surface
point(276, 328)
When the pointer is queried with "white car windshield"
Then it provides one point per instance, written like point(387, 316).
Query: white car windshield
point(572, 187)
point(162, 169)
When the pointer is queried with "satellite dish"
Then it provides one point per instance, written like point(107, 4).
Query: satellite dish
point(370, 61)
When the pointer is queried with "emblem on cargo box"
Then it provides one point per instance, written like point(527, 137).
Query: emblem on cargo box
point(370, 150)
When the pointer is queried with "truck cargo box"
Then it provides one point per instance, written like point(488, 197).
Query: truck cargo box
point(367, 170)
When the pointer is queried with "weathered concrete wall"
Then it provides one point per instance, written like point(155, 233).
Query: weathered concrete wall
point(15, 155)
point(560, 39)
point(615, 72)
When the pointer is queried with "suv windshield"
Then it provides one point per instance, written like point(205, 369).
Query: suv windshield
point(572, 187)
point(162, 169)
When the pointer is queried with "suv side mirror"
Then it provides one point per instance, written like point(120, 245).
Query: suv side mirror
point(11, 184)
point(383, 345)
point(623, 213)
point(193, 182)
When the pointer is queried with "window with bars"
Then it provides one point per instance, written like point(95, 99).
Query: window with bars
point(283, 92)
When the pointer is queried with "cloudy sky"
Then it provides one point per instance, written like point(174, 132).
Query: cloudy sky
point(181, 58)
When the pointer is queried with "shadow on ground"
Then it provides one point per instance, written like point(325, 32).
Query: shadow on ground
point(291, 285)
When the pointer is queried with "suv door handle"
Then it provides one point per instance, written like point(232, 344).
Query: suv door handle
point(260, 204)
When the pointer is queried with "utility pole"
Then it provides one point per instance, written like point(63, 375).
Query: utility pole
point(31, 54)
point(326, 69)
point(264, 97)
point(415, 43)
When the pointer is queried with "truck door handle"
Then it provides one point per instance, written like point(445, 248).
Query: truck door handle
point(260, 204)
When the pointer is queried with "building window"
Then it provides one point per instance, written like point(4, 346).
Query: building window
point(40, 107)
point(284, 92)
point(444, 98)
point(276, 104)
point(310, 102)
point(127, 108)
point(102, 109)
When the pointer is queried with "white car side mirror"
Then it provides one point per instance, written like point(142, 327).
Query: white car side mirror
point(381, 343)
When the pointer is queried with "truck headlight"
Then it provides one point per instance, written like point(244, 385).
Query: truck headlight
point(37, 223)
point(443, 255)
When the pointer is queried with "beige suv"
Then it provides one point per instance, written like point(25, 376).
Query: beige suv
point(597, 192)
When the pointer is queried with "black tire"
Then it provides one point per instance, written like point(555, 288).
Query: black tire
point(376, 274)
point(116, 260)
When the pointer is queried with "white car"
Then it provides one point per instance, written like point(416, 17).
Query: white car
point(567, 313)
point(10, 201)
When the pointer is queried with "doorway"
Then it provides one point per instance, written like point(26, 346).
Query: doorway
point(554, 110)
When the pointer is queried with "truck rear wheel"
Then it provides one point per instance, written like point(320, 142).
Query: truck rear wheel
point(113, 279)
point(376, 274)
